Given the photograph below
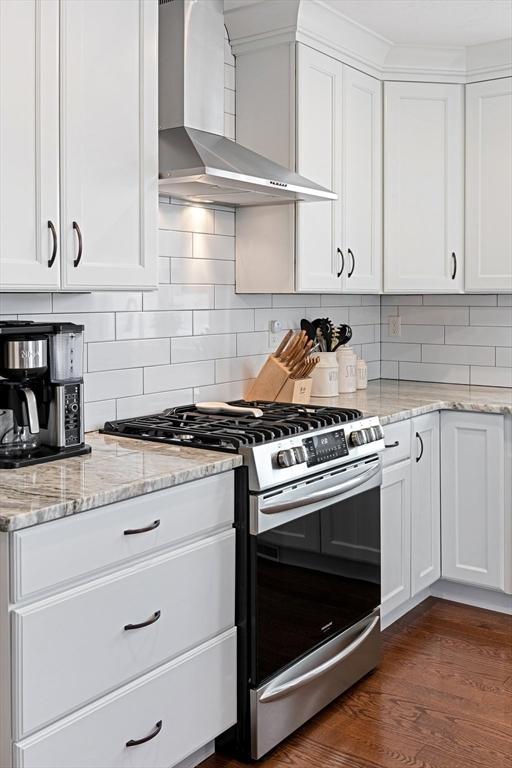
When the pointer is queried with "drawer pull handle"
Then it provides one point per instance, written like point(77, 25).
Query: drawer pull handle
point(154, 618)
point(392, 445)
point(155, 732)
point(151, 527)
point(418, 436)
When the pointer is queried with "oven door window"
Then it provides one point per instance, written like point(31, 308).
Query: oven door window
point(315, 577)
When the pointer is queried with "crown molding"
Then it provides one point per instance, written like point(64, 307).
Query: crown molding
point(317, 23)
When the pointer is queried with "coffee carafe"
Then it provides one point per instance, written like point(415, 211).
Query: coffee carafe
point(23, 362)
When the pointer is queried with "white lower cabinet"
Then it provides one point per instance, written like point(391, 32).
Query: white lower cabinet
point(473, 498)
point(114, 648)
point(184, 704)
point(396, 535)
point(425, 502)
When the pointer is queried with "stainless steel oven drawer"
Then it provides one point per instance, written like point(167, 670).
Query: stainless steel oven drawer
point(284, 703)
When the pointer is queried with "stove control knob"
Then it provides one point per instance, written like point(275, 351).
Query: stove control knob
point(301, 455)
point(359, 438)
point(286, 458)
point(377, 432)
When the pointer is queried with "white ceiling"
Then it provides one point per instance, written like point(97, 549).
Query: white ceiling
point(431, 22)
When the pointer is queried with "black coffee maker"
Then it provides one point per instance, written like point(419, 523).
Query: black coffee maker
point(41, 392)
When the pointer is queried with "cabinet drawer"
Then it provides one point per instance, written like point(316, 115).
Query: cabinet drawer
point(193, 697)
point(398, 439)
point(75, 647)
point(47, 556)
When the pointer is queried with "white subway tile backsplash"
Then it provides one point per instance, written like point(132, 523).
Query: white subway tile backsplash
point(106, 385)
point(460, 300)
point(454, 374)
point(229, 126)
point(255, 343)
point(363, 334)
point(213, 247)
point(229, 77)
point(488, 316)
point(161, 378)
point(115, 301)
point(96, 414)
point(396, 351)
point(226, 298)
point(296, 300)
point(504, 356)
point(234, 390)
point(202, 271)
point(177, 245)
point(142, 405)
point(370, 352)
point(434, 315)
point(164, 270)
point(374, 369)
point(187, 218)
point(414, 334)
point(25, 303)
point(238, 368)
point(491, 377)
point(479, 335)
point(459, 355)
point(110, 355)
point(179, 297)
point(364, 315)
point(340, 300)
point(191, 348)
point(389, 369)
point(401, 299)
point(505, 300)
point(153, 325)
point(225, 223)
point(290, 318)
point(223, 321)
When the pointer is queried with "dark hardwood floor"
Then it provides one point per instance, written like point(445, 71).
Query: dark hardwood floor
point(441, 698)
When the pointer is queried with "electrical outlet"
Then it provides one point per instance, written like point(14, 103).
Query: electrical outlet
point(395, 325)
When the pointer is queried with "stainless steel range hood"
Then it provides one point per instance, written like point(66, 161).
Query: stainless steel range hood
point(197, 163)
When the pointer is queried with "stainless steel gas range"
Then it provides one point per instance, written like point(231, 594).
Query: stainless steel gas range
point(308, 553)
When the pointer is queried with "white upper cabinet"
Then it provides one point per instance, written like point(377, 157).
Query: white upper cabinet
point(109, 165)
point(29, 144)
point(361, 173)
point(423, 187)
point(489, 186)
point(425, 502)
point(473, 498)
point(78, 144)
point(318, 225)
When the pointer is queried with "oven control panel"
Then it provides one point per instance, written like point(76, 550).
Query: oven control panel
point(325, 447)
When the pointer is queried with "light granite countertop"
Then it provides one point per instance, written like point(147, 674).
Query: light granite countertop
point(399, 400)
point(118, 468)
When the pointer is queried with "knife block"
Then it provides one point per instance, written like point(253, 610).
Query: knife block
point(269, 382)
point(295, 391)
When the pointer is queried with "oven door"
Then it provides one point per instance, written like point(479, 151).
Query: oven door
point(315, 563)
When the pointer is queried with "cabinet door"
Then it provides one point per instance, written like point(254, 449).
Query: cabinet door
point(29, 144)
point(423, 187)
point(489, 186)
point(362, 181)
point(472, 498)
point(396, 536)
point(318, 226)
point(109, 143)
point(425, 503)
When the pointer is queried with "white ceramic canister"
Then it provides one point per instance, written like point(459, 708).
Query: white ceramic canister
point(361, 374)
point(325, 376)
point(347, 360)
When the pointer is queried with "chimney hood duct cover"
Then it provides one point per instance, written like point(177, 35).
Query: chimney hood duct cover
point(197, 163)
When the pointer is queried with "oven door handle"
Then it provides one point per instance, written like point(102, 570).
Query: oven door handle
point(282, 690)
point(326, 493)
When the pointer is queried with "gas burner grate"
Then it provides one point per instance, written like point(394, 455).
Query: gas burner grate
point(185, 425)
